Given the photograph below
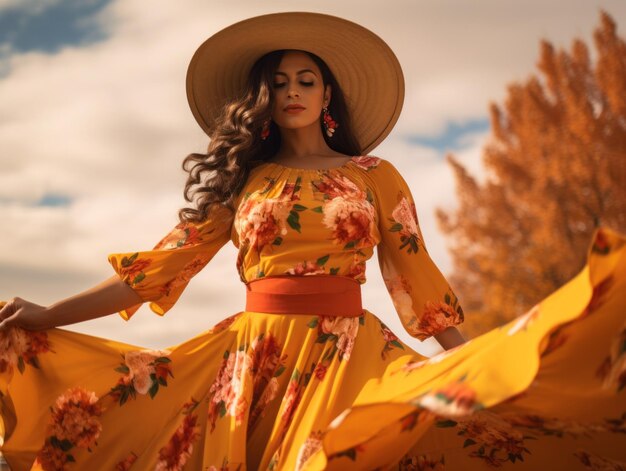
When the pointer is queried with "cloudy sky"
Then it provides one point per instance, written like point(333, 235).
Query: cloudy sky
point(94, 123)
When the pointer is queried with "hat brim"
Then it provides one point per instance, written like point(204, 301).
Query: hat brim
point(363, 64)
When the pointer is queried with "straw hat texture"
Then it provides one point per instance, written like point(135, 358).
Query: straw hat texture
point(364, 65)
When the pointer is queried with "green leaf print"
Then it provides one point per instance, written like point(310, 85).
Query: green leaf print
point(279, 371)
point(128, 261)
point(334, 270)
point(322, 260)
point(395, 227)
point(322, 338)
point(139, 278)
point(295, 375)
point(313, 323)
point(64, 444)
point(154, 389)
point(318, 209)
point(350, 245)
point(446, 423)
point(299, 207)
point(294, 220)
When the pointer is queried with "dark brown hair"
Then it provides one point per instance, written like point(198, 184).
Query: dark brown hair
point(236, 146)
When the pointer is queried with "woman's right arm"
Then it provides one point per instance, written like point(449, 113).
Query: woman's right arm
point(108, 297)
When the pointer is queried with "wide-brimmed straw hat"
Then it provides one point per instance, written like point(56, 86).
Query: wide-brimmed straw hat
point(363, 64)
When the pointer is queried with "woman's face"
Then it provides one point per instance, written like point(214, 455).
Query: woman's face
point(298, 82)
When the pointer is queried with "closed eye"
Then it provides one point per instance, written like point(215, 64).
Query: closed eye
point(280, 85)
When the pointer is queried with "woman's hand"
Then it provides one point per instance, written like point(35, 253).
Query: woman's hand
point(450, 338)
point(21, 313)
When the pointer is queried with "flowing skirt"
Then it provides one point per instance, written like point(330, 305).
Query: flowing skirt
point(545, 391)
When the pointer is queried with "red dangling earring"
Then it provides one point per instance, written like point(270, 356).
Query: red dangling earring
point(265, 130)
point(329, 123)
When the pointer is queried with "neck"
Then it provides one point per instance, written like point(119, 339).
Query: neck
point(302, 142)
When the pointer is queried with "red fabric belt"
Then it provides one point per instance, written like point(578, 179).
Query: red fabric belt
point(322, 295)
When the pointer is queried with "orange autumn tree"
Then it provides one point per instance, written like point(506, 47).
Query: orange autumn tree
point(555, 166)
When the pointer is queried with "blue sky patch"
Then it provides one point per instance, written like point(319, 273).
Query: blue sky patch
point(54, 200)
point(64, 23)
point(451, 139)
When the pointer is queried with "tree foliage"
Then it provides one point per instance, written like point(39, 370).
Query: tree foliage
point(555, 171)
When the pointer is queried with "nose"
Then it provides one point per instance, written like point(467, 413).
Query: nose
point(293, 92)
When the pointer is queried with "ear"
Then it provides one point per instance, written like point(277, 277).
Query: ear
point(327, 94)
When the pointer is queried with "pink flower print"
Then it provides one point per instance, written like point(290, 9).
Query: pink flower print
point(291, 399)
point(224, 324)
point(51, 458)
point(367, 162)
point(404, 213)
point(19, 347)
point(132, 269)
point(260, 222)
point(404, 219)
point(75, 417)
point(391, 341)
point(73, 423)
point(436, 317)
point(174, 455)
point(554, 426)
point(357, 271)
point(185, 274)
point(310, 446)
point(126, 463)
point(422, 463)
point(492, 439)
point(143, 364)
point(320, 371)
point(344, 329)
point(599, 463)
point(185, 234)
point(227, 390)
point(399, 289)
point(334, 185)
point(306, 267)
point(352, 222)
point(455, 399)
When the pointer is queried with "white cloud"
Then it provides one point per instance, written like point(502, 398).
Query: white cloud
point(108, 124)
point(33, 7)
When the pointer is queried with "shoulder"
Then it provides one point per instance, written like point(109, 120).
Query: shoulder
point(371, 163)
point(376, 167)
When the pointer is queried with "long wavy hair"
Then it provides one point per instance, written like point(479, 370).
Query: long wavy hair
point(236, 146)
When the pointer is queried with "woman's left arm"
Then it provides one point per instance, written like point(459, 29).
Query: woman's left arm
point(450, 338)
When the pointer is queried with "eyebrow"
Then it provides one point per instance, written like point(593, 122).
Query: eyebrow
point(298, 73)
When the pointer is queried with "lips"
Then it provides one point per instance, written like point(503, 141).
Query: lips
point(294, 107)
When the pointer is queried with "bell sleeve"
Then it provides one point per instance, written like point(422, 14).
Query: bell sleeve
point(160, 275)
point(420, 293)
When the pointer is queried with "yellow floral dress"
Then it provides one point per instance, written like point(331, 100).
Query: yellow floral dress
point(267, 391)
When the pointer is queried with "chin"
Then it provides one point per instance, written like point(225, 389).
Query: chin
point(296, 124)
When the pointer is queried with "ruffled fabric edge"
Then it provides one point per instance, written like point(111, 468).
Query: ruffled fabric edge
point(384, 413)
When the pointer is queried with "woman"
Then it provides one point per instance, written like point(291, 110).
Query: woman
point(305, 377)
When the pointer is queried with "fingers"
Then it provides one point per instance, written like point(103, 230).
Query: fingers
point(7, 313)
point(5, 324)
